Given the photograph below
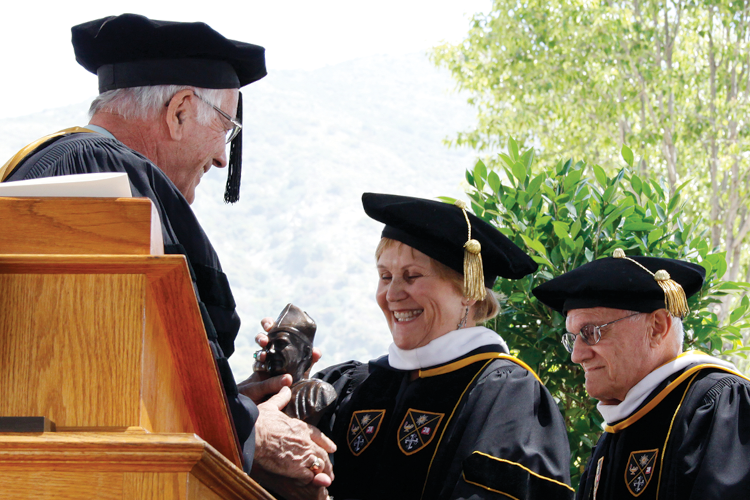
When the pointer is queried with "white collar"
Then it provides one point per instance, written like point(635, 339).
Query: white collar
point(640, 391)
point(100, 130)
point(444, 348)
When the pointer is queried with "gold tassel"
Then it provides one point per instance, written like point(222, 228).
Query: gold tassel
point(675, 300)
point(674, 295)
point(473, 271)
point(473, 268)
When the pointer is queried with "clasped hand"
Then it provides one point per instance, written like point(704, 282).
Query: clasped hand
point(286, 448)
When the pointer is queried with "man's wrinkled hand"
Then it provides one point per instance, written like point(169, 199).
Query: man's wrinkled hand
point(289, 489)
point(258, 388)
point(289, 447)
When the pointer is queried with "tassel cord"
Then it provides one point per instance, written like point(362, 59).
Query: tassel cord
point(473, 267)
point(675, 300)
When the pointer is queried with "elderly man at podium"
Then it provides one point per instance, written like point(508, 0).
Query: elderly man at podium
point(169, 105)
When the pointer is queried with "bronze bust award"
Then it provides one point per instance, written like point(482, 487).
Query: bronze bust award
point(289, 350)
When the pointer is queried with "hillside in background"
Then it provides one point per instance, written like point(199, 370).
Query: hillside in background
point(314, 141)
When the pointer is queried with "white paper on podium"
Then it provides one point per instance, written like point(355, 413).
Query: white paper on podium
point(98, 185)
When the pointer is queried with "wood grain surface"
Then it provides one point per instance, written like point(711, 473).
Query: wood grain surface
point(79, 226)
point(109, 342)
point(194, 363)
point(43, 484)
point(73, 466)
point(161, 485)
point(163, 404)
point(71, 347)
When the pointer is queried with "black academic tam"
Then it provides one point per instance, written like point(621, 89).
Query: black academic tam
point(440, 231)
point(134, 51)
point(618, 283)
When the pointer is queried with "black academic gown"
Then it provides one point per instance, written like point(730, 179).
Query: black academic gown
point(479, 427)
point(91, 152)
point(689, 440)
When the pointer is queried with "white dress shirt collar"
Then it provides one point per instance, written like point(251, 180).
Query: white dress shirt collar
point(445, 348)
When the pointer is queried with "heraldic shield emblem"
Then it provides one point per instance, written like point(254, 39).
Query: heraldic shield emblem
point(417, 430)
point(640, 470)
point(363, 428)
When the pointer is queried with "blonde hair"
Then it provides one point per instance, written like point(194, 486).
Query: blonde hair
point(484, 310)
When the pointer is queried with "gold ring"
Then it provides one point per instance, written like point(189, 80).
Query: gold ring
point(315, 467)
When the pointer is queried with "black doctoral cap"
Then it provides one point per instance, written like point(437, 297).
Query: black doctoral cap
point(642, 284)
point(451, 235)
point(133, 51)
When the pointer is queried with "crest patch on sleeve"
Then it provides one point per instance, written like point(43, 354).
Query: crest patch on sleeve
point(363, 428)
point(417, 430)
point(640, 470)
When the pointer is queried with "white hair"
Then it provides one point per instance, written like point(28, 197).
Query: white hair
point(145, 103)
point(677, 332)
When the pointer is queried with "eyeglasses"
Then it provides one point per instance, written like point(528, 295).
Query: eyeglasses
point(591, 334)
point(236, 125)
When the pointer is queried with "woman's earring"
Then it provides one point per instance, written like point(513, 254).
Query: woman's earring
point(463, 321)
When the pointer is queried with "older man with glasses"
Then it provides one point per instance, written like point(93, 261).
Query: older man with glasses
point(168, 105)
point(677, 424)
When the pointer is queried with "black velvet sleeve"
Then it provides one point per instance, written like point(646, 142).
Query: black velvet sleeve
point(344, 377)
point(711, 457)
point(514, 443)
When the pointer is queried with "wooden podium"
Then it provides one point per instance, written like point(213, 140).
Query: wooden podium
point(103, 336)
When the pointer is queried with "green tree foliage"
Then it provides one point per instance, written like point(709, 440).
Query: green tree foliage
point(580, 79)
point(567, 214)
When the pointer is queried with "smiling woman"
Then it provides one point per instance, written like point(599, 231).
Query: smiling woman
point(431, 419)
point(409, 276)
point(419, 305)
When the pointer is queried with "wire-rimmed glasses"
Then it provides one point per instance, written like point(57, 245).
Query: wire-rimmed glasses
point(591, 334)
point(236, 125)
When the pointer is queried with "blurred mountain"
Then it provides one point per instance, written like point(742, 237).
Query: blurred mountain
point(314, 141)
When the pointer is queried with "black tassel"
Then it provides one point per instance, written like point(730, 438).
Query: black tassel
point(232, 190)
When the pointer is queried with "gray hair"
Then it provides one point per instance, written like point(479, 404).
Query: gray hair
point(145, 103)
